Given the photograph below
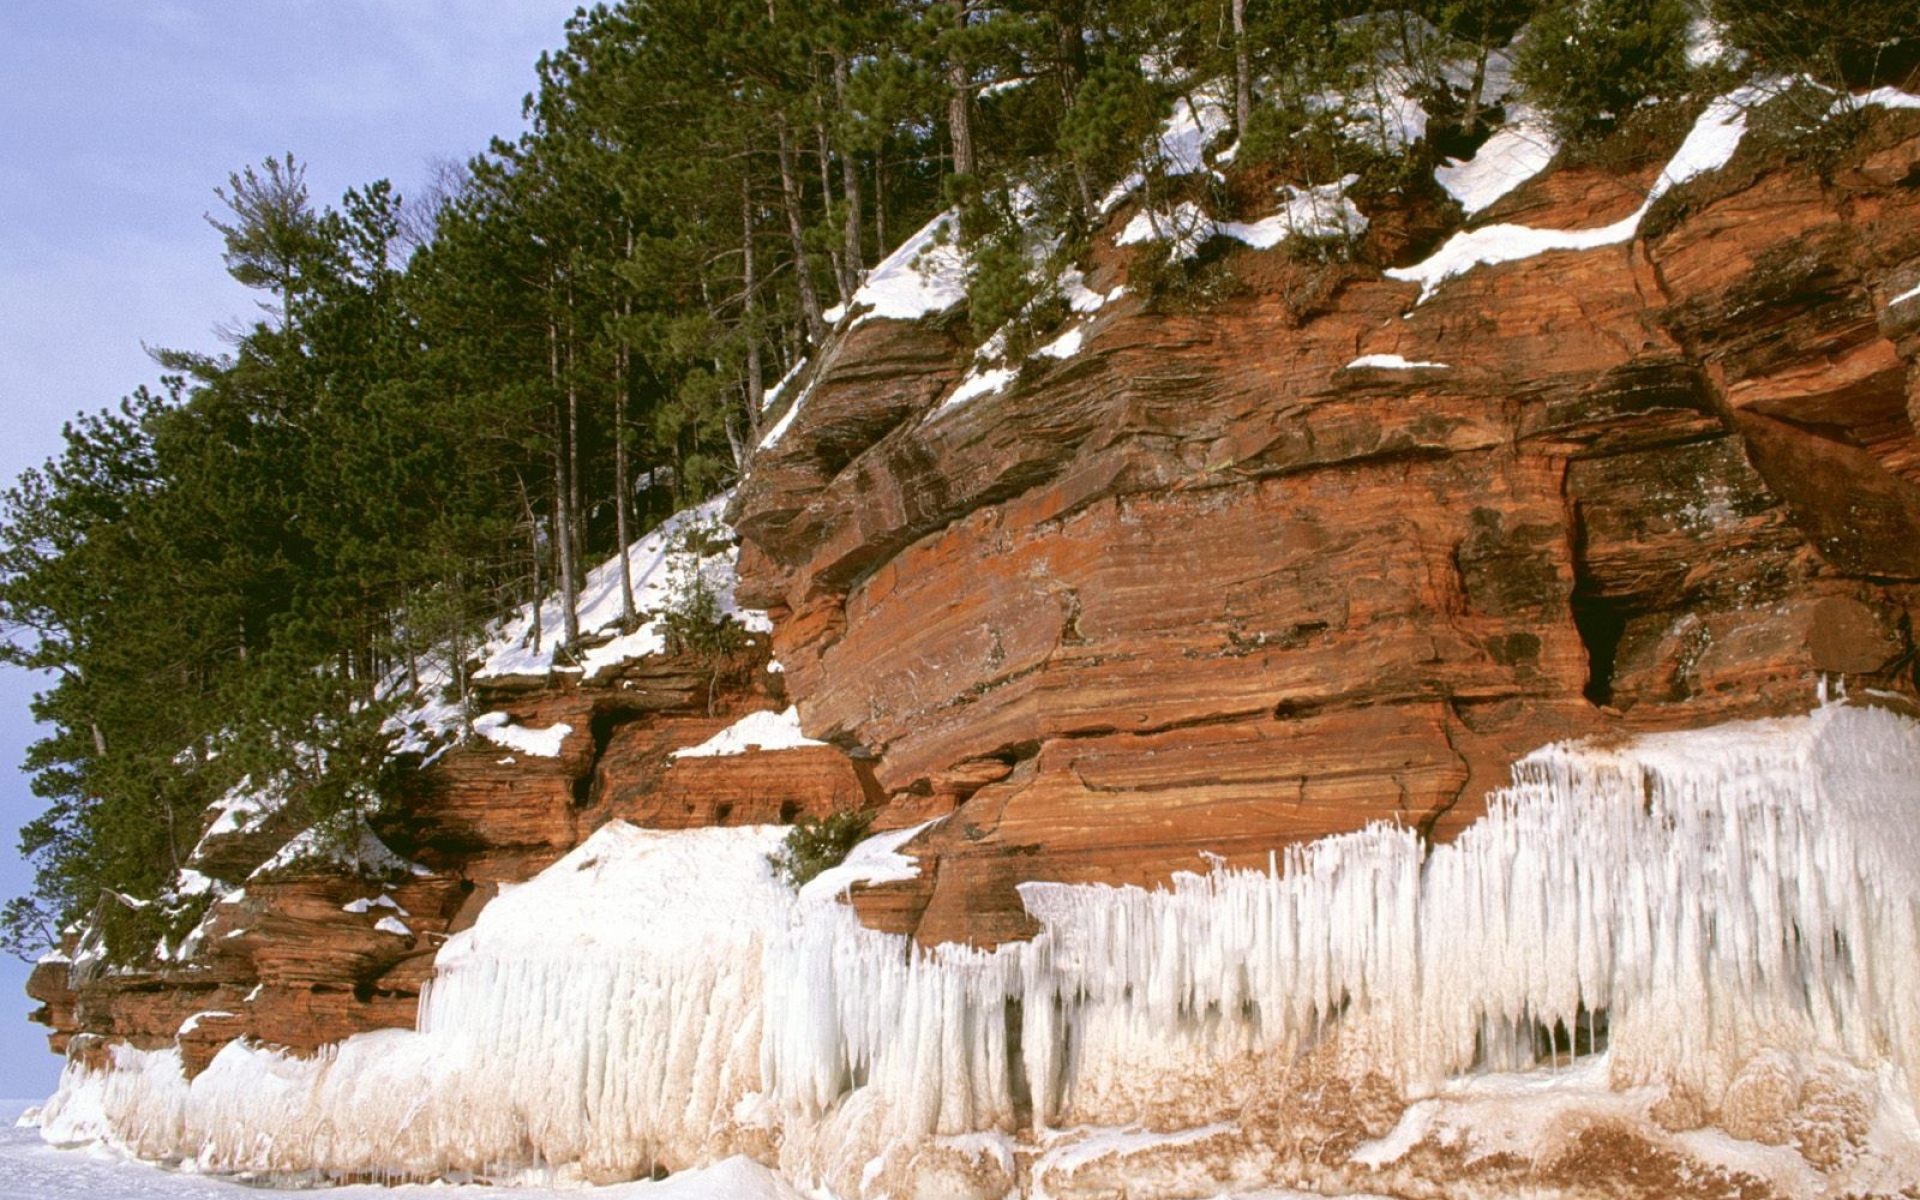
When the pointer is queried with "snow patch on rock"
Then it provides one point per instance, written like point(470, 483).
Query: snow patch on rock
point(765, 731)
point(1514, 154)
point(926, 274)
point(1708, 147)
point(1391, 362)
point(1322, 211)
point(497, 727)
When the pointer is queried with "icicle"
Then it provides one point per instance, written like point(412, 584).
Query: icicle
point(1694, 899)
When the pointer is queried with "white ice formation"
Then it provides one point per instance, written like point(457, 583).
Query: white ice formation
point(1721, 898)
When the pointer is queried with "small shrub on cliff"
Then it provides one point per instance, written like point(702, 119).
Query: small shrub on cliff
point(815, 844)
point(1590, 63)
point(1173, 285)
point(1841, 43)
point(695, 621)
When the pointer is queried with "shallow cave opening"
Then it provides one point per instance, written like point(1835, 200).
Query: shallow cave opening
point(604, 722)
point(1517, 1045)
point(1602, 622)
point(1019, 1089)
point(1558, 1045)
point(1600, 619)
point(601, 726)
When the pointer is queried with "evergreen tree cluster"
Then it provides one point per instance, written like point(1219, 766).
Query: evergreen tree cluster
point(452, 404)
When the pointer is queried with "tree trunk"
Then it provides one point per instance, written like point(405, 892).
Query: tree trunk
point(563, 514)
point(622, 490)
point(457, 642)
point(576, 506)
point(790, 193)
point(564, 518)
point(1474, 90)
point(750, 287)
point(882, 249)
point(960, 102)
point(623, 533)
point(1242, 71)
point(850, 185)
point(533, 544)
point(842, 281)
point(960, 118)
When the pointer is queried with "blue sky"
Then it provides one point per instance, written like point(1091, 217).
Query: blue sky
point(118, 118)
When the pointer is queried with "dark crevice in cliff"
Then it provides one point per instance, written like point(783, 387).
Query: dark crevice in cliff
point(1602, 623)
point(1230, 717)
point(1601, 620)
point(601, 727)
point(1431, 819)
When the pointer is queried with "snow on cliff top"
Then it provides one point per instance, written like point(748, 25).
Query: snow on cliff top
point(755, 731)
point(497, 728)
point(352, 845)
point(651, 562)
point(927, 273)
point(1711, 144)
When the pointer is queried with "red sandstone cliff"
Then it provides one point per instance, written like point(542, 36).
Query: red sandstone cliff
point(1205, 588)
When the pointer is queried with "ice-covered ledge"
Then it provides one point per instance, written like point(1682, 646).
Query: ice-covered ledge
point(1693, 903)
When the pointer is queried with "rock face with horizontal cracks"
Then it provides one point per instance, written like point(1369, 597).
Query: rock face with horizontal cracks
point(306, 955)
point(1204, 588)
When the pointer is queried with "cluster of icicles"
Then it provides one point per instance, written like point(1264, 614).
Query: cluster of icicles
point(660, 998)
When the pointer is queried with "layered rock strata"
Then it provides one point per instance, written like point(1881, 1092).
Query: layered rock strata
point(1215, 584)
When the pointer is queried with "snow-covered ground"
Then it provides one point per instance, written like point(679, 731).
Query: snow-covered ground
point(30, 1169)
point(758, 731)
point(1514, 154)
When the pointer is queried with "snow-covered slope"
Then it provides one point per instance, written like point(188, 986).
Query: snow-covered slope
point(660, 565)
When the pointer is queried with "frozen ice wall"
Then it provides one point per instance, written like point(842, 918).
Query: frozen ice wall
point(1721, 896)
point(597, 1021)
point(1706, 894)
